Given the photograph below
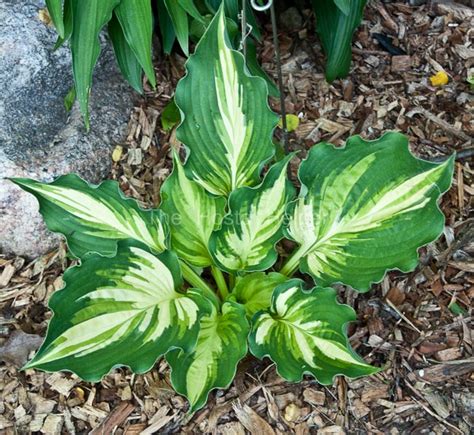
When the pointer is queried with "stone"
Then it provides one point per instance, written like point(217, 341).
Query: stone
point(291, 19)
point(38, 138)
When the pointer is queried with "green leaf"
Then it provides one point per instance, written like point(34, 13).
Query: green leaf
point(246, 241)
point(221, 344)
point(170, 116)
point(227, 124)
point(456, 309)
point(344, 6)
point(192, 10)
point(254, 291)
point(55, 9)
point(232, 9)
point(305, 332)
point(67, 22)
point(69, 99)
point(180, 20)
point(136, 20)
point(168, 34)
point(127, 62)
point(336, 26)
point(89, 16)
point(470, 80)
point(93, 218)
point(193, 214)
point(119, 311)
point(365, 209)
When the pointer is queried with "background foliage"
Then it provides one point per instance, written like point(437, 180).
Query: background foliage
point(130, 25)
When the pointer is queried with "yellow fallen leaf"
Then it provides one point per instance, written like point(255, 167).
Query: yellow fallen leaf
point(117, 154)
point(80, 393)
point(44, 16)
point(292, 123)
point(439, 79)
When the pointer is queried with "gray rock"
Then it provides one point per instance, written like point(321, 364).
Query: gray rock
point(38, 138)
point(291, 19)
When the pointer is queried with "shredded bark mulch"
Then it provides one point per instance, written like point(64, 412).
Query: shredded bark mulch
point(417, 326)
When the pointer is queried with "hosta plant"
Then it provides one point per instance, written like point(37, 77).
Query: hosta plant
point(198, 280)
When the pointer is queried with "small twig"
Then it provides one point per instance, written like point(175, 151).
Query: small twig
point(243, 44)
point(428, 410)
point(406, 319)
point(460, 155)
point(441, 122)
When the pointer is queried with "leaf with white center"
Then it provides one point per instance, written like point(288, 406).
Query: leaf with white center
point(192, 213)
point(365, 209)
point(227, 124)
point(247, 238)
point(254, 291)
point(305, 333)
point(221, 344)
point(93, 218)
point(121, 311)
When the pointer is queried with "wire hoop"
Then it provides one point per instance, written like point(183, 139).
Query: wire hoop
point(263, 8)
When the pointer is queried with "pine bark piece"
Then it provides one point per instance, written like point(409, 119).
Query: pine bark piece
point(443, 372)
point(401, 63)
point(252, 421)
point(116, 418)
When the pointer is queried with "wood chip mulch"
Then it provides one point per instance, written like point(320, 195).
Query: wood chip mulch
point(418, 326)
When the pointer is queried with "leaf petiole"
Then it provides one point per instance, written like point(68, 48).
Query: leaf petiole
point(232, 281)
point(289, 268)
point(220, 281)
point(193, 278)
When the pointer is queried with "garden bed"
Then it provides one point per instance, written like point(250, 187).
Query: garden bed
point(417, 325)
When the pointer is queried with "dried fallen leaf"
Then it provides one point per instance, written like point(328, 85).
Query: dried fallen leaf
point(292, 123)
point(117, 154)
point(439, 79)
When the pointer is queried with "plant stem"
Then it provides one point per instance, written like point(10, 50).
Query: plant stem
point(196, 281)
point(192, 277)
point(289, 268)
point(220, 281)
point(232, 281)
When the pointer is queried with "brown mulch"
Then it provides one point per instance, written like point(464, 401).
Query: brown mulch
point(417, 326)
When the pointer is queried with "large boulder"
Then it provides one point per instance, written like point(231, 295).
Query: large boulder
point(38, 138)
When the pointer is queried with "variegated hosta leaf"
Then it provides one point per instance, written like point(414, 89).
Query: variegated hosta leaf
point(254, 291)
point(119, 311)
point(192, 213)
point(227, 123)
point(367, 208)
point(305, 333)
point(221, 344)
point(93, 218)
point(248, 234)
